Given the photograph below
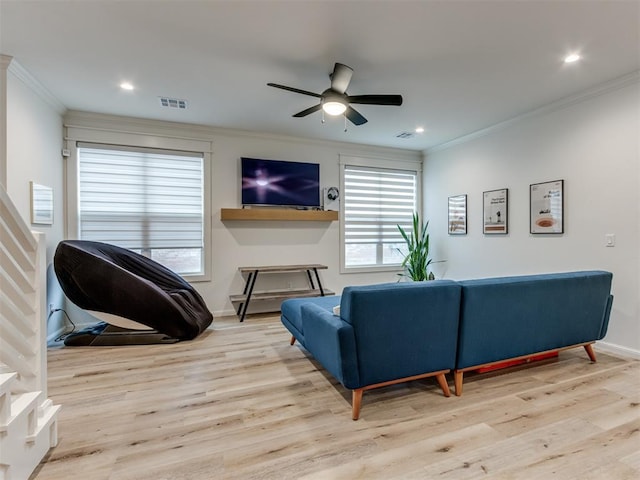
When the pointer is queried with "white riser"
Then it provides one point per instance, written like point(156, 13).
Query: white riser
point(24, 457)
point(23, 405)
point(27, 434)
point(6, 382)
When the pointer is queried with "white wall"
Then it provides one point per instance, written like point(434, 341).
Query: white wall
point(271, 243)
point(34, 145)
point(594, 146)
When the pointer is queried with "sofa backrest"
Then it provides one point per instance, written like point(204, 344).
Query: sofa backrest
point(402, 329)
point(508, 317)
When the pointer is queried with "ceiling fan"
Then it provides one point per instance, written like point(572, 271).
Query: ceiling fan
point(335, 101)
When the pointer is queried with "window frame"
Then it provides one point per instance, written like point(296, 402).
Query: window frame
point(120, 139)
point(398, 165)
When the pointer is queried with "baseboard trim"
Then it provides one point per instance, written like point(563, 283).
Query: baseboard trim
point(224, 313)
point(618, 350)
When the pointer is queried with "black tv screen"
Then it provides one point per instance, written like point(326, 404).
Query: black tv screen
point(276, 182)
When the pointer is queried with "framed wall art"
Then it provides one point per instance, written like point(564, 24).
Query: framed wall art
point(495, 207)
point(457, 215)
point(41, 204)
point(546, 201)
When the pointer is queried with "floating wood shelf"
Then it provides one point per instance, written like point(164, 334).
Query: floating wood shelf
point(277, 214)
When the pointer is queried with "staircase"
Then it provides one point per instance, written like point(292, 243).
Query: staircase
point(28, 419)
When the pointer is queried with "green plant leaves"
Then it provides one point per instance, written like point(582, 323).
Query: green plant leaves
point(417, 260)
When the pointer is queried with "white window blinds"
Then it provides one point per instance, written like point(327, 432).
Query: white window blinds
point(376, 201)
point(140, 198)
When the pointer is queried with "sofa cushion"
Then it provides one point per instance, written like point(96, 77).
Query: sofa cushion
point(292, 315)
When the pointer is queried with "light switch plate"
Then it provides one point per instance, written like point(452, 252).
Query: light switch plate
point(610, 240)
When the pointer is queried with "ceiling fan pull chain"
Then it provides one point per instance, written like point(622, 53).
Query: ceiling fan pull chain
point(322, 116)
point(345, 123)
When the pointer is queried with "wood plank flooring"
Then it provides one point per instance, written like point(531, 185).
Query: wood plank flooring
point(239, 402)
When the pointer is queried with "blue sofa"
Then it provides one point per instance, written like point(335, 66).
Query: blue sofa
point(510, 318)
point(392, 333)
point(385, 334)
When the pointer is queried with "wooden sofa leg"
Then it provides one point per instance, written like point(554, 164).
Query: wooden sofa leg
point(457, 381)
point(356, 401)
point(293, 340)
point(590, 352)
point(442, 381)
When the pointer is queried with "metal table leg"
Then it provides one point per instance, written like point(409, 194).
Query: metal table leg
point(244, 292)
point(313, 287)
point(315, 270)
point(251, 281)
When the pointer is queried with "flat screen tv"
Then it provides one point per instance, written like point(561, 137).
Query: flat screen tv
point(280, 183)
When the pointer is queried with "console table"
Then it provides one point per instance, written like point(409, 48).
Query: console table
point(252, 274)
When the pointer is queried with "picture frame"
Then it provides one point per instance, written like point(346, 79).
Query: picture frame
point(546, 207)
point(495, 208)
point(41, 204)
point(457, 223)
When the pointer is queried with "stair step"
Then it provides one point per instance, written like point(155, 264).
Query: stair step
point(21, 404)
point(44, 422)
point(6, 381)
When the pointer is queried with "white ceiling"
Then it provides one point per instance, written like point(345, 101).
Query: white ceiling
point(461, 66)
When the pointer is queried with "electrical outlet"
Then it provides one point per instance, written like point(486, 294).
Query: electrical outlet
point(610, 240)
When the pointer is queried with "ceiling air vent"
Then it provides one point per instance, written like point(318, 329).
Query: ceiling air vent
point(173, 103)
point(405, 135)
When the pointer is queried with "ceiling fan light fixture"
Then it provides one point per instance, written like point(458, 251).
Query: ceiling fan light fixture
point(572, 58)
point(335, 101)
point(333, 107)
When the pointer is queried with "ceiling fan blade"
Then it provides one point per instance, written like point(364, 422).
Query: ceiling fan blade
point(354, 117)
point(394, 100)
point(295, 90)
point(340, 77)
point(309, 111)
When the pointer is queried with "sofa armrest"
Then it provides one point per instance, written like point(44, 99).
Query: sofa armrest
point(605, 317)
point(332, 343)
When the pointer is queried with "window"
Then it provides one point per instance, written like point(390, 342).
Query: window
point(376, 201)
point(149, 201)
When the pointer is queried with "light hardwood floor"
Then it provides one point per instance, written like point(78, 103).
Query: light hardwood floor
point(240, 402)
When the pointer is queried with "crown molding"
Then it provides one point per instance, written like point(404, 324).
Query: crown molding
point(30, 81)
point(5, 61)
point(602, 89)
point(189, 131)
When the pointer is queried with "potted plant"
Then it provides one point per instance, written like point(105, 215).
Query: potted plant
point(416, 262)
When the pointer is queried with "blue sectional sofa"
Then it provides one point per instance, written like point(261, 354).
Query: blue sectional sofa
point(397, 332)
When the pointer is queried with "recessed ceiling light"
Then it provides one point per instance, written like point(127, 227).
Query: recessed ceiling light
point(419, 129)
point(126, 86)
point(574, 57)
